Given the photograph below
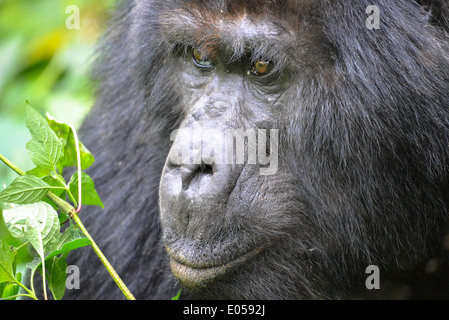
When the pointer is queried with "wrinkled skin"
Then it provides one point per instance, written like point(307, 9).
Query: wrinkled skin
point(362, 165)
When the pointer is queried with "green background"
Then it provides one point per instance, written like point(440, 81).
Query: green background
point(46, 63)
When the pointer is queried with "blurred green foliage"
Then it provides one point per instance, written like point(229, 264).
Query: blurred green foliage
point(46, 63)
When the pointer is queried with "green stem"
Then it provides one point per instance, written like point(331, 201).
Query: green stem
point(31, 293)
point(104, 260)
point(71, 212)
point(78, 162)
point(64, 206)
point(64, 186)
point(12, 165)
point(20, 247)
point(20, 295)
point(32, 282)
point(71, 197)
point(44, 288)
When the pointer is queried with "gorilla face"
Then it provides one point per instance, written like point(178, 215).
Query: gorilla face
point(223, 206)
point(344, 139)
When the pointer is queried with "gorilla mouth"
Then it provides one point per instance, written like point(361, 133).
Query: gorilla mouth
point(196, 275)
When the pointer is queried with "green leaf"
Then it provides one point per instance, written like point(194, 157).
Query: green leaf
point(25, 190)
point(50, 178)
point(64, 132)
point(65, 242)
point(45, 149)
point(55, 184)
point(39, 172)
point(6, 263)
point(70, 240)
point(38, 223)
point(39, 154)
point(57, 276)
point(89, 194)
point(11, 289)
point(5, 235)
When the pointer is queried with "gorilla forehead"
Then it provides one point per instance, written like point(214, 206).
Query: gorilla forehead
point(233, 33)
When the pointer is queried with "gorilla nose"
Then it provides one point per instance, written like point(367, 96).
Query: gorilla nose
point(205, 178)
point(196, 166)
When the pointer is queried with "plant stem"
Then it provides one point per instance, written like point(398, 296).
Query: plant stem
point(71, 212)
point(44, 286)
point(12, 165)
point(71, 196)
point(104, 260)
point(78, 161)
point(31, 293)
point(20, 295)
point(21, 246)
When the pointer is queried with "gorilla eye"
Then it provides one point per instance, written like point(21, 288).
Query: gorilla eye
point(261, 67)
point(201, 60)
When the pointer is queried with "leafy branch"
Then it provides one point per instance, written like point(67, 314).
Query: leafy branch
point(30, 212)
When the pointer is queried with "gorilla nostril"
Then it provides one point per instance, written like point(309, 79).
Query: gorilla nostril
point(206, 168)
point(196, 172)
point(172, 165)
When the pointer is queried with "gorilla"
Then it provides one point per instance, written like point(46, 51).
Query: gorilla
point(339, 117)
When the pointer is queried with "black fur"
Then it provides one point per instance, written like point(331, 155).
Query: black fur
point(363, 154)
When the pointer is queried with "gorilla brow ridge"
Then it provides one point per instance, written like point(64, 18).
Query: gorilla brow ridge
point(251, 39)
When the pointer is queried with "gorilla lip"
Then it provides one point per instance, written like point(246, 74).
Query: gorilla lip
point(198, 275)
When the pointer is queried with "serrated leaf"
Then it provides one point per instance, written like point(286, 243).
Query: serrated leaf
point(64, 132)
point(45, 149)
point(39, 154)
point(89, 194)
point(25, 190)
point(6, 263)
